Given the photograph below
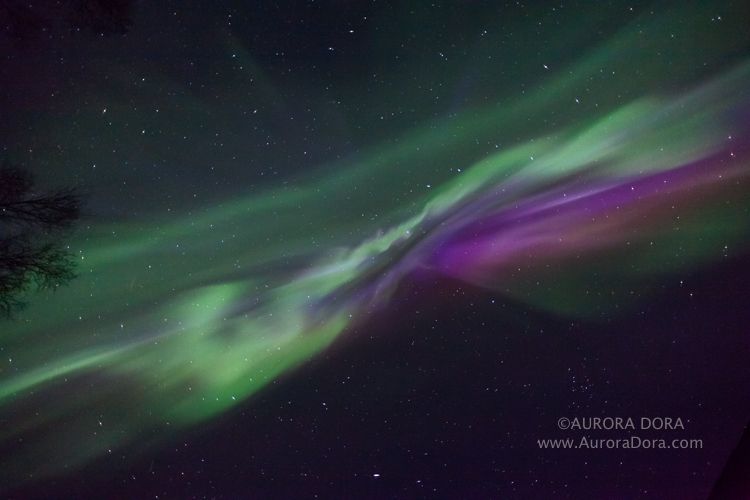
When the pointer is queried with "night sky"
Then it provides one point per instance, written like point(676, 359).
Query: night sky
point(380, 249)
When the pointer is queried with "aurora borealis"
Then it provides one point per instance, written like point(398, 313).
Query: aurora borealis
point(572, 177)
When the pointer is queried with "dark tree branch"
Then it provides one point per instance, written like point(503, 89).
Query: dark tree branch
point(32, 225)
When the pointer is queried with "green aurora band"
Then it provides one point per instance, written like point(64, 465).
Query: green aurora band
point(176, 321)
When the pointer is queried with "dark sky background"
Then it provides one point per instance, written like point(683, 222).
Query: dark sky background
point(206, 101)
point(447, 394)
point(161, 109)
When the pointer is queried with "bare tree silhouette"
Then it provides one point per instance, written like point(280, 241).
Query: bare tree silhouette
point(32, 226)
